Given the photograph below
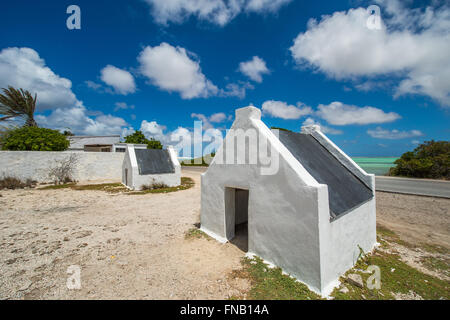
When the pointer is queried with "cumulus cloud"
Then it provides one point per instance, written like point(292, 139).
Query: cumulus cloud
point(219, 12)
point(238, 90)
point(412, 45)
point(280, 109)
point(207, 122)
point(340, 114)
point(121, 80)
point(172, 69)
point(77, 119)
point(324, 129)
point(183, 139)
point(151, 129)
point(24, 68)
point(394, 134)
point(254, 68)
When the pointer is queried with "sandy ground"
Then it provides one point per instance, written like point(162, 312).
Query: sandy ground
point(133, 247)
point(415, 219)
point(128, 247)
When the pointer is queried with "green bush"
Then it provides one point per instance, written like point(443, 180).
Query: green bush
point(429, 160)
point(139, 138)
point(35, 139)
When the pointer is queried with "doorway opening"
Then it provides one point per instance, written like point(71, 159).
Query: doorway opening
point(236, 217)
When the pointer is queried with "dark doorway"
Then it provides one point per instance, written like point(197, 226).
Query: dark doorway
point(236, 213)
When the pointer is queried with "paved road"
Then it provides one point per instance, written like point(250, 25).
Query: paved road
point(422, 187)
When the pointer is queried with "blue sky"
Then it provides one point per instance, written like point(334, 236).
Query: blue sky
point(140, 64)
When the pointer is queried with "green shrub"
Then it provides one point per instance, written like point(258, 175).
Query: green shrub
point(429, 160)
point(35, 139)
point(139, 138)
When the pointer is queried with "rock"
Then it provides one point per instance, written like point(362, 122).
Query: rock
point(344, 289)
point(356, 280)
point(26, 285)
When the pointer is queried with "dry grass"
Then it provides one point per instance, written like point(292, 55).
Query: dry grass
point(15, 183)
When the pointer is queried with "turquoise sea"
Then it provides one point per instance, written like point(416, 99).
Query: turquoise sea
point(378, 166)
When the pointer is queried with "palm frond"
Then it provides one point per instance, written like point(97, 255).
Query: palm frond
point(17, 103)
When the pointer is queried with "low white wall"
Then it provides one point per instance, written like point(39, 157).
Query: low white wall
point(36, 164)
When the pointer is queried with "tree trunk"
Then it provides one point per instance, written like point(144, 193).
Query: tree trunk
point(31, 123)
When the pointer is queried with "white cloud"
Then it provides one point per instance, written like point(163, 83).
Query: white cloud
point(254, 68)
point(394, 134)
point(218, 117)
point(219, 12)
point(24, 68)
point(207, 122)
point(412, 46)
point(122, 106)
point(340, 114)
point(238, 90)
point(171, 69)
point(78, 121)
point(121, 80)
point(280, 109)
point(153, 130)
point(324, 129)
point(183, 139)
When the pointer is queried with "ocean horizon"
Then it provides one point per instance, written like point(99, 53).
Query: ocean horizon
point(377, 165)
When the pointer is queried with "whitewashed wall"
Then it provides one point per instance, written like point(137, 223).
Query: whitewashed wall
point(36, 164)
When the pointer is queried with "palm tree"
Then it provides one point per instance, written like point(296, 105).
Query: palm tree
point(18, 103)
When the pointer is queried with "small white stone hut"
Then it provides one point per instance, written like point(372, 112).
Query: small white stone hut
point(145, 167)
point(310, 213)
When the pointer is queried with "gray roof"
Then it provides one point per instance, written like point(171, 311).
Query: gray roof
point(154, 161)
point(78, 142)
point(345, 190)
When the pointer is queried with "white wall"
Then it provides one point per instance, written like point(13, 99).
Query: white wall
point(283, 225)
point(288, 213)
point(36, 165)
point(137, 181)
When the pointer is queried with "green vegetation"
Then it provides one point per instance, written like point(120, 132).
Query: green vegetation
point(14, 183)
point(196, 233)
point(397, 278)
point(430, 159)
point(139, 138)
point(34, 139)
point(108, 187)
point(186, 183)
point(18, 104)
point(441, 265)
point(282, 129)
point(199, 162)
point(270, 283)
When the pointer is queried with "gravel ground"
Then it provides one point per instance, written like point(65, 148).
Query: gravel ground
point(133, 247)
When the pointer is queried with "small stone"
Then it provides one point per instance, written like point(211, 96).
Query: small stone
point(355, 279)
point(26, 285)
point(393, 269)
point(344, 289)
